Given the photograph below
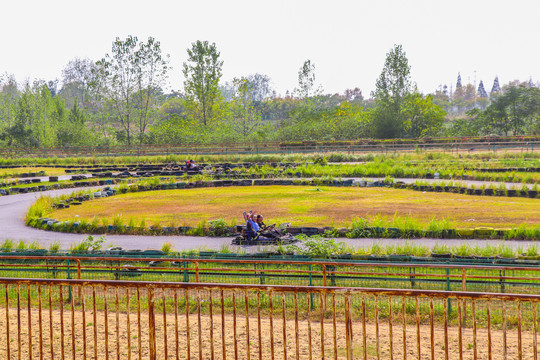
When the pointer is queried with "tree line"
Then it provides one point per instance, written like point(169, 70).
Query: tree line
point(119, 99)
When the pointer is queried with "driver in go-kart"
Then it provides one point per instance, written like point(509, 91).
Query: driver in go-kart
point(267, 231)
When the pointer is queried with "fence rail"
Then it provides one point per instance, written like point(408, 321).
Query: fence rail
point(309, 272)
point(153, 320)
point(457, 146)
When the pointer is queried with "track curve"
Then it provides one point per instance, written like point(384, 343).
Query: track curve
point(13, 209)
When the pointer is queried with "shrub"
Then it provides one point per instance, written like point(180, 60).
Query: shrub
point(218, 227)
point(167, 248)
point(88, 244)
point(318, 247)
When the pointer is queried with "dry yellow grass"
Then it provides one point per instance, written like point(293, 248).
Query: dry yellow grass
point(304, 205)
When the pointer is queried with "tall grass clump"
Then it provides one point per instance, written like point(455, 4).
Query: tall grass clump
point(218, 227)
point(359, 228)
point(41, 208)
point(54, 247)
point(167, 248)
point(437, 227)
point(7, 246)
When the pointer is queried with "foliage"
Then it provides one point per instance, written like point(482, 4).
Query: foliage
point(246, 118)
point(422, 117)
point(203, 72)
point(514, 110)
point(218, 227)
point(317, 247)
point(129, 80)
point(88, 244)
point(392, 86)
point(54, 247)
point(7, 245)
point(167, 248)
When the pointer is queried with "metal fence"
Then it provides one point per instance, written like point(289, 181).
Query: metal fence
point(152, 320)
point(456, 146)
point(488, 277)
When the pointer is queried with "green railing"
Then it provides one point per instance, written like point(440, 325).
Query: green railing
point(487, 277)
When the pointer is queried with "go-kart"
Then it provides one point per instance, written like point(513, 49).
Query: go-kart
point(264, 237)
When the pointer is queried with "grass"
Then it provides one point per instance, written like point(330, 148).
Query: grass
point(416, 165)
point(17, 172)
point(299, 206)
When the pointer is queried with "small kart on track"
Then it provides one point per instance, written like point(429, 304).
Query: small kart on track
point(264, 238)
point(261, 239)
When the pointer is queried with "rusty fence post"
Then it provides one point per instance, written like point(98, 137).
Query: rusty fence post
point(151, 324)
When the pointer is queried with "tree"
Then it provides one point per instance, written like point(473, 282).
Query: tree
point(441, 97)
point(9, 93)
point(259, 85)
point(392, 86)
point(423, 116)
point(37, 117)
point(246, 117)
point(130, 79)
point(202, 73)
point(469, 93)
point(306, 81)
point(353, 94)
point(515, 111)
point(76, 77)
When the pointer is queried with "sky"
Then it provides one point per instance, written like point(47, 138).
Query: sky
point(347, 40)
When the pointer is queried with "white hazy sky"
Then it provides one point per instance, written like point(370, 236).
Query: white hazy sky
point(346, 40)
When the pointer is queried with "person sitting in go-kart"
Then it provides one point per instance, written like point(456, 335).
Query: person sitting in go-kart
point(252, 227)
point(268, 231)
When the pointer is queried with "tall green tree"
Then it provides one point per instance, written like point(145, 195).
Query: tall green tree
point(260, 87)
point(391, 88)
point(9, 93)
point(246, 118)
point(306, 80)
point(76, 77)
point(130, 79)
point(202, 73)
point(422, 116)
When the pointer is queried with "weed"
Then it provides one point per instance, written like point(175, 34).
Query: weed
point(7, 246)
point(167, 248)
point(54, 247)
point(318, 247)
point(21, 246)
point(34, 245)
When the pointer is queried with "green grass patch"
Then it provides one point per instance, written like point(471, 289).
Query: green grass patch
point(299, 205)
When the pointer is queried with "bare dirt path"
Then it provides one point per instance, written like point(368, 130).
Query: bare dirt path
point(116, 337)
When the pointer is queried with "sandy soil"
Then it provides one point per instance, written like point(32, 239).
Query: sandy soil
point(260, 340)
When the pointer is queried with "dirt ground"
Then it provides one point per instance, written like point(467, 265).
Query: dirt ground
point(118, 339)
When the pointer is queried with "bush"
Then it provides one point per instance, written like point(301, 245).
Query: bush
point(88, 244)
point(218, 227)
point(167, 248)
point(318, 247)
